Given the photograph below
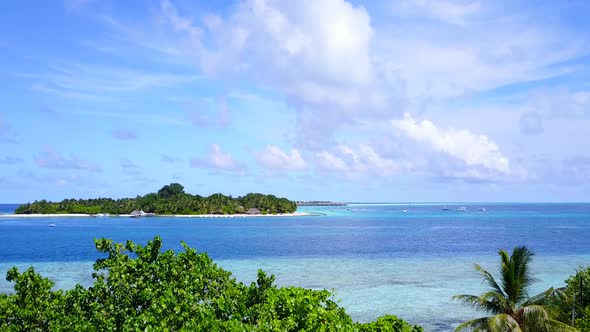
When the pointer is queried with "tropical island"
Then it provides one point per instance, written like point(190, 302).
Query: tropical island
point(169, 200)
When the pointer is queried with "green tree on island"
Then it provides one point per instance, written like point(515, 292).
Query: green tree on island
point(170, 199)
point(508, 301)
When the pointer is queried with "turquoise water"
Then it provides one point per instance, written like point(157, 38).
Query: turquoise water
point(377, 258)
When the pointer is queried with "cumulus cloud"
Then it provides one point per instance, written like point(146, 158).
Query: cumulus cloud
point(124, 134)
point(315, 53)
point(217, 160)
point(474, 150)
point(275, 159)
point(50, 158)
point(360, 160)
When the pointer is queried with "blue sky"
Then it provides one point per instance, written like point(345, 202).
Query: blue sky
point(400, 100)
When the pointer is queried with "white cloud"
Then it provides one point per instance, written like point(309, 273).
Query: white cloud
point(316, 52)
point(360, 160)
point(475, 150)
point(218, 160)
point(274, 158)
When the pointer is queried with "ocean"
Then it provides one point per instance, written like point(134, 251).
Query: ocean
point(377, 258)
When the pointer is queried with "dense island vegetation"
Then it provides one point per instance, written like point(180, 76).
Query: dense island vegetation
point(141, 288)
point(171, 199)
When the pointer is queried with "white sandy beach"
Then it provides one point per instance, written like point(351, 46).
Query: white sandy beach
point(242, 215)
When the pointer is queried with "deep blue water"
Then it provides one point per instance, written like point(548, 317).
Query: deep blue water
point(378, 258)
point(375, 231)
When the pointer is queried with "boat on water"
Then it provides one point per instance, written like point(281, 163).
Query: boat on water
point(141, 214)
point(462, 209)
point(482, 210)
point(51, 225)
point(446, 209)
point(405, 210)
point(100, 215)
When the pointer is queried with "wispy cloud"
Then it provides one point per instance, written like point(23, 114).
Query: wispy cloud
point(126, 163)
point(11, 160)
point(169, 159)
point(218, 160)
point(100, 83)
point(209, 113)
point(59, 180)
point(6, 133)
point(449, 11)
point(50, 158)
point(124, 134)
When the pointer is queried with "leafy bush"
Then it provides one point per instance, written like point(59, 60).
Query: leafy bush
point(141, 288)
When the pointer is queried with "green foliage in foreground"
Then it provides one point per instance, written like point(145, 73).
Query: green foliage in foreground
point(507, 299)
point(170, 199)
point(583, 323)
point(139, 288)
point(563, 301)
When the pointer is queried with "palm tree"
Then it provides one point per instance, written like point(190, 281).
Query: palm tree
point(507, 300)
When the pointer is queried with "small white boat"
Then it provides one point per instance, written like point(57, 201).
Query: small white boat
point(405, 210)
point(462, 209)
point(482, 210)
point(51, 225)
point(140, 214)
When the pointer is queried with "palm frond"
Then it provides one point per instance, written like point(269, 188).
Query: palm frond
point(503, 323)
point(557, 326)
point(516, 275)
point(489, 278)
point(534, 317)
point(479, 303)
point(475, 325)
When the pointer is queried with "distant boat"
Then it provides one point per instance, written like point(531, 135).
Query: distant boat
point(462, 209)
point(98, 215)
point(140, 214)
point(446, 209)
point(51, 225)
point(405, 210)
point(482, 209)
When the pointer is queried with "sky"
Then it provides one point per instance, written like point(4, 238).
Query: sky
point(380, 101)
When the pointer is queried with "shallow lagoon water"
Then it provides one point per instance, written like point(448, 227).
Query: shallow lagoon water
point(377, 258)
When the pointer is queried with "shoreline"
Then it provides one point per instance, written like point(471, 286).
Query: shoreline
point(241, 215)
